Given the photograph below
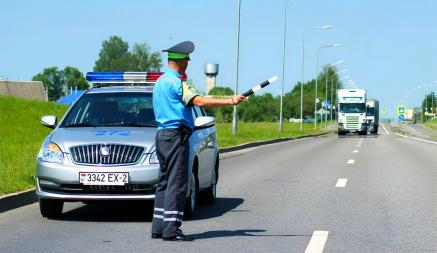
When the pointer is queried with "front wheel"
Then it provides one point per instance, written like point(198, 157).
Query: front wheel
point(190, 203)
point(51, 208)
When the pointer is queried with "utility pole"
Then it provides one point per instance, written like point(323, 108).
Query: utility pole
point(237, 55)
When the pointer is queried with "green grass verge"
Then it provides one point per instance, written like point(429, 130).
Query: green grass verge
point(432, 124)
point(21, 135)
point(261, 131)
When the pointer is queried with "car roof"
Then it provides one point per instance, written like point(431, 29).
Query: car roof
point(111, 89)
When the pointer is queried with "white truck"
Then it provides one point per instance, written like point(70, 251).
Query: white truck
point(372, 115)
point(351, 111)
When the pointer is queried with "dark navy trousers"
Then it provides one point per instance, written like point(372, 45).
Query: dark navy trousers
point(173, 154)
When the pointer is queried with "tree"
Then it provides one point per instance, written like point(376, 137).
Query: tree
point(115, 56)
point(143, 60)
point(222, 114)
point(53, 81)
point(73, 79)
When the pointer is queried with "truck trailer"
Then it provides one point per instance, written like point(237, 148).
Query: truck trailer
point(351, 111)
point(372, 115)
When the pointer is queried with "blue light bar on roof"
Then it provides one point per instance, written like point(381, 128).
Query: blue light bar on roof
point(104, 76)
point(115, 77)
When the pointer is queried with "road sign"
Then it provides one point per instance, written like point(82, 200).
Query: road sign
point(401, 109)
point(401, 117)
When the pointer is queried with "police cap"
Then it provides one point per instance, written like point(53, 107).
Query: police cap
point(180, 51)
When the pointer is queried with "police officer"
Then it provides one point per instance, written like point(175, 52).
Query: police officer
point(172, 99)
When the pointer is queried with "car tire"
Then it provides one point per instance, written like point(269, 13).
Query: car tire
point(209, 194)
point(51, 208)
point(191, 202)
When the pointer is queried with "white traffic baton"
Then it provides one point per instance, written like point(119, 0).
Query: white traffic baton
point(259, 86)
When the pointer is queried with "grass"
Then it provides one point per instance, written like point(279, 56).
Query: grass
point(261, 131)
point(21, 136)
point(432, 124)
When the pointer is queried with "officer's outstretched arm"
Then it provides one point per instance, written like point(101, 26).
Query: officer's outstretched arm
point(207, 102)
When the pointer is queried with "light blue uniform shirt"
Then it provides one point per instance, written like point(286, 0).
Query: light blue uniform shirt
point(171, 101)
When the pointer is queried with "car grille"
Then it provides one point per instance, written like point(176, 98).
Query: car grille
point(118, 155)
point(352, 122)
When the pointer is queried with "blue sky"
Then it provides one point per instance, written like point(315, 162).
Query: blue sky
point(389, 47)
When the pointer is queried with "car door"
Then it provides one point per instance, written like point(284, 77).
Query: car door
point(199, 141)
point(210, 150)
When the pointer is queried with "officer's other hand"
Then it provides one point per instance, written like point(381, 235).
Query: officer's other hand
point(238, 99)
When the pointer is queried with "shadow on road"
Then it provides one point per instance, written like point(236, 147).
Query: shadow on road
point(240, 232)
point(142, 211)
point(113, 211)
point(368, 136)
point(220, 207)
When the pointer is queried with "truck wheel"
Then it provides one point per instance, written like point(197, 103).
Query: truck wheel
point(375, 130)
point(51, 208)
point(341, 133)
point(191, 202)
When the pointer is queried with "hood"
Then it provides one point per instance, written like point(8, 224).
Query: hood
point(137, 136)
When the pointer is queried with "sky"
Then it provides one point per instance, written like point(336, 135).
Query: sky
point(389, 47)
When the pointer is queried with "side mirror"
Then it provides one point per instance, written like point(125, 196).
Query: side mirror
point(204, 122)
point(49, 121)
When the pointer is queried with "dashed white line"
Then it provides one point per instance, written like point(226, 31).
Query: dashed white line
point(356, 151)
point(317, 242)
point(341, 183)
point(358, 145)
point(351, 161)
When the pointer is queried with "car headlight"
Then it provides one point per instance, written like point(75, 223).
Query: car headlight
point(153, 159)
point(50, 152)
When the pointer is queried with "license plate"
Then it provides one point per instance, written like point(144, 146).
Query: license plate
point(103, 178)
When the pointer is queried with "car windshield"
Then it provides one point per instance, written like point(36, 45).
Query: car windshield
point(124, 109)
point(370, 111)
point(352, 107)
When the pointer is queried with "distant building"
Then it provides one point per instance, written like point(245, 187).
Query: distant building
point(23, 89)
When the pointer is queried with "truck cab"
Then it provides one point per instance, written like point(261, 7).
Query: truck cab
point(351, 111)
point(372, 115)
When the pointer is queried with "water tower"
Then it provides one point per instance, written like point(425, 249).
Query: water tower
point(211, 72)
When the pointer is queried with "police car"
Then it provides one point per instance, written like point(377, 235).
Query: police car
point(104, 147)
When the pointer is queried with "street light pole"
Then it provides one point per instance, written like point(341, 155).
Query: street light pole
point(237, 54)
point(303, 71)
point(283, 67)
point(317, 77)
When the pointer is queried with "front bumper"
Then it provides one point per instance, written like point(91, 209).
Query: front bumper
point(341, 128)
point(61, 181)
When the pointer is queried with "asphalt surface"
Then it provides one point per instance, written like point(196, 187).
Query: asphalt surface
point(420, 131)
point(271, 199)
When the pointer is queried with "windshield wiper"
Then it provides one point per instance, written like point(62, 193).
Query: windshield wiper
point(80, 125)
point(129, 124)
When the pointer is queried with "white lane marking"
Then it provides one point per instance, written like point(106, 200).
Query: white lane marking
point(385, 129)
point(341, 183)
point(317, 242)
point(356, 151)
point(351, 161)
point(358, 145)
point(418, 139)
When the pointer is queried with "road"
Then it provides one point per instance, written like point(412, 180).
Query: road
point(271, 199)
